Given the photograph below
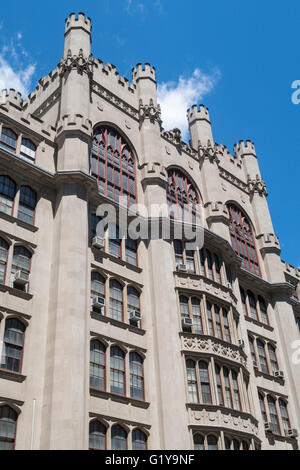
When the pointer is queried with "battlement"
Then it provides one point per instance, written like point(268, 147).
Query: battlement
point(142, 72)
point(80, 21)
point(74, 122)
point(12, 97)
point(243, 147)
point(196, 113)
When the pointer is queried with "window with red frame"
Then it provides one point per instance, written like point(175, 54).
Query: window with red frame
point(7, 194)
point(242, 240)
point(21, 262)
point(182, 197)
point(118, 438)
point(8, 424)
point(117, 370)
point(136, 376)
point(284, 415)
point(139, 440)
point(97, 365)
point(3, 259)
point(97, 436)
point(13, 345)
point(27, 204)
point(113, 164)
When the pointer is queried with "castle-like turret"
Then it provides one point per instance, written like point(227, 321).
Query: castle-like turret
point(143, 76)
point(78, 34)
point(199, 125)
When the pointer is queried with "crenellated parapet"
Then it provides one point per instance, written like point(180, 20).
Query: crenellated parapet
point(152, 172)
point(11, 97)
point(142, 72)
point(74, 123)
point(208, 151)
point(198, 113)
point(257, 185)
point(80, 21)
point(149, 111)
point(268, 243)
point(216, 210)
point(243, 148)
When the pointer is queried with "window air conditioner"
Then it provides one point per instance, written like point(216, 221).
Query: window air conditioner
point(98, 242)
point(21, 278)
point(135, 315)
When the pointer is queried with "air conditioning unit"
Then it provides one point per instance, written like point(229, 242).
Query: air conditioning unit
point(255, 364)
point(97, 302)
point(21, 278)
point(270, 427)
point(181, 267)
point(187, 322)
point(293, 433)
point(279, 374)
point(135, 315)
point(98, 242)
point(229, 285)
point(241, 343)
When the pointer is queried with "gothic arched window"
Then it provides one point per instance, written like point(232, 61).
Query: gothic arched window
point(182, 195)
point(113, 164)
point(242, 239)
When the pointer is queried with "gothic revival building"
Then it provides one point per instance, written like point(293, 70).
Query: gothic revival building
point(123, 344)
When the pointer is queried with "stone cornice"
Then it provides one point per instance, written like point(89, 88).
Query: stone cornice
point(234, 180)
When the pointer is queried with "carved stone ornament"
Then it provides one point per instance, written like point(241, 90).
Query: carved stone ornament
point(208, 151)
point(149, 111)
point(257, 185)
point(79, 62)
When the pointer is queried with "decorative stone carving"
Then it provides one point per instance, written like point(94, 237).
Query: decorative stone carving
point(174, 137)
point(115, 100)
point(234, 180)
point(149, 111)
point(79, 62)
point(257, 185)
point(208, 152)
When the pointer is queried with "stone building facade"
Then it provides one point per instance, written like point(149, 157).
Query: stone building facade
point(113, 343)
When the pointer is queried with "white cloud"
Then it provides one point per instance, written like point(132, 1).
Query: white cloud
point(176, 97)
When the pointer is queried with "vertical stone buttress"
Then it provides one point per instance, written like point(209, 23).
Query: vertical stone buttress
point(65, 423)
point(168, 368)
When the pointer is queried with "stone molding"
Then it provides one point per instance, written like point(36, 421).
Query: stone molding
point(115, 100)
point(208, 151)
point(257, 185)
point(149, 111)
point(174, 138)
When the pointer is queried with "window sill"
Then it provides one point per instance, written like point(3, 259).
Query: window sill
point(258, 323)
point(21, 223)
point(119, 324)
point(103, 254)
point(224, 409)
point(12, 376)
point(15, 292)
point(118, 398)
point(259, 373)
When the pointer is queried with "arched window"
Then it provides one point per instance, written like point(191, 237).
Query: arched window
point(262, 356)
point(8, 424)
point(7, 194)
point(28, 150)
point(21, 262)
point(242, 239)
point(118, 438)
point(97, 285)
point(197, 317)
point(192, 381)
point(8, 139)
point(97, 436)
point(235, 444)
point(284, 415)
point(12, 352)
point(131, 247)
point(27, 204)
point(182, 197)
point(273, 358)
point(262, 407)
point(252, 303)
point(273, 414)
point(263, 310)
point(113, 165)
point(227, 443)
point(136, 376)
point(212, 443)
point(139, 440)
point(97, 365)
point(115, 300)
point(204, 382)
point(245, 445)
point(133, 303)
point(3, 259)
point(198, 442)
point(117, 370)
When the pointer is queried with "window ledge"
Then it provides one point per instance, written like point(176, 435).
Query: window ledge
point(259, 373)
point(115, 259)
point(16, 292)
point(13, 376)
point(258, 323)
point(119, 324)
point(223, 409)
point(21, 223)
point(119, 398)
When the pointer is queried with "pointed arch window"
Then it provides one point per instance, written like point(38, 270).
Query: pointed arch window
point(97, 436)
point(139, 440)
point(242, 239)
point(8, 424)
point(273, 414)
point(118, 438)
point(3, 259)
point(182, 197)
point(7, 194)
point(113, 164)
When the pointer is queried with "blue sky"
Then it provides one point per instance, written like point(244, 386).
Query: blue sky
point(238, 57)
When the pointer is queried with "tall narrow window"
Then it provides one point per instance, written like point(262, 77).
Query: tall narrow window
point(273, 358)
point(218, 322)
point(133, 304)
point(242, 239)
point(97, 285)
point(8, 424)
point(12, 352)
point(218, 268)
point(178, 248)
point(3, 259)
point(236, 393)
point(228, 395)
point(116, 300)
point(117, 370)
point(263, 310)
point(118, 438)
point(136, 376)
point(131, 247)
point(198, 442)
point(197, 317)
point(212, 443)
point(7, 194)
point(262, 407)
point(139, 440)
point(243, 298)
point(262, 356)
point(21, 262)
point(114, 241)
point(113, 164)
point(27, 204)
point(192, 381)
point(182, 197)
point(252, 349)
point(211, 328)
point(204, 382)
point(184, 306)
point(227, 335)
point(190, 260)
point(219, 385)
point(97, 436)
point(273, 414)
point(97, 365)
point(94, 222)
point(209, 264)
point(28, 150)
point(284, 415)
point(202, 262)
point(8, 139)
point(252, 303)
